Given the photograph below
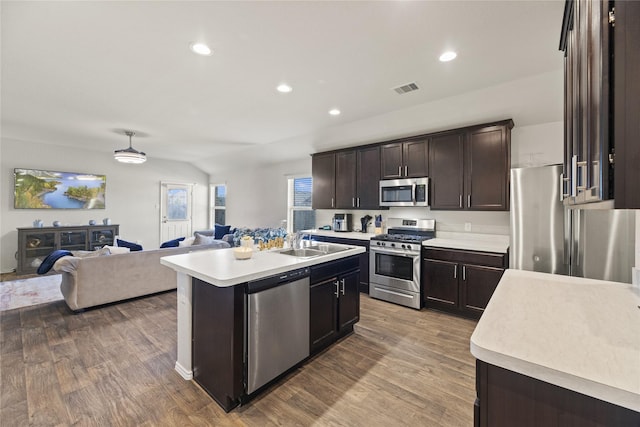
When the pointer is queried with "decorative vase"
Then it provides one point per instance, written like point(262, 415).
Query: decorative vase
point(92, 222)
point(56, 223)
point(106, 221)
point(38, 223)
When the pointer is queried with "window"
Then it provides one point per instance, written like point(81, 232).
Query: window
point(218, 197)
point(300, 216)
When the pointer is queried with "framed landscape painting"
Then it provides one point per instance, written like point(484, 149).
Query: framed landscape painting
point(40, 189)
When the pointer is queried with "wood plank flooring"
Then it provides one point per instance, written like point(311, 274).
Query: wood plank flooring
point(113, 366)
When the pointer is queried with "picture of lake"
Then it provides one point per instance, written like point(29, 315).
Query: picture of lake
point(37, 189)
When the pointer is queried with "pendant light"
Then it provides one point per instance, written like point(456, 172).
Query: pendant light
point(130, 155)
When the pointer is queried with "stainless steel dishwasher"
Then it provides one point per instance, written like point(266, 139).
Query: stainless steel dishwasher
point(277, 325)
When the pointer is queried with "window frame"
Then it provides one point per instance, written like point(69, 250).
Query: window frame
point(212, 204)
point(291, 208)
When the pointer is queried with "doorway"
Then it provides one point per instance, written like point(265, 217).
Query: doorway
point(176, 207)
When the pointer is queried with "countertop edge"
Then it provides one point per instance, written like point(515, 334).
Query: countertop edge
point(584, 386)
point(237, 280)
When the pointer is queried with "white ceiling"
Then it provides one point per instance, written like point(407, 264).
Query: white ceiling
point(77, 73)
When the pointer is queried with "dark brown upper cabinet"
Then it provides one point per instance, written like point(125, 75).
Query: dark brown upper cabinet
point(602, 102)
point(347, 179)
point(406, 159)
point(469, 168)
point(323, 167)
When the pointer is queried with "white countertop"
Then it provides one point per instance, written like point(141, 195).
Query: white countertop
point(356, 235)
point(580, 334)
point(220, 268)
point(483, 243)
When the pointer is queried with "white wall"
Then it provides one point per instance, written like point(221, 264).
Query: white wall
point(132, 197)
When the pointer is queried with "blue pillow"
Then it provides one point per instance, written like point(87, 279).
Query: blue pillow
point(51, 259)
point(221, 231)
point(172, 243)
point(133, 247)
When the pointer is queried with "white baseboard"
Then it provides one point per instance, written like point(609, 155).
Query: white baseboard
point(184, 373)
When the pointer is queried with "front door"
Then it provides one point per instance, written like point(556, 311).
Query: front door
point(175, 211)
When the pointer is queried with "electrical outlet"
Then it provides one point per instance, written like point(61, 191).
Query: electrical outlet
point(467, 226)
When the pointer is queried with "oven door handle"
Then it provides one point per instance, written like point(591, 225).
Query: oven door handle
point(395, 252)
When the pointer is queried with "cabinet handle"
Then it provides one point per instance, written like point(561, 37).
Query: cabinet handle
point(358, 199)
point(400, 170)
point(353, 202)
point(337, 283)
point(332, 202)
point(455, 271)
point(460, 200)
point(464, 272)
point(406, 170)
point(342, 283)
point(574, 175)
point(468, 200)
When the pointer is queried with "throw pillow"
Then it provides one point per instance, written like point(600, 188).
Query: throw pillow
point(201, 239)
point(187, 242)
point(133, 246)
point(221, 230)
point(172, 243)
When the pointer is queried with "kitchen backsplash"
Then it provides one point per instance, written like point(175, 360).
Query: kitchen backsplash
point(446, 221)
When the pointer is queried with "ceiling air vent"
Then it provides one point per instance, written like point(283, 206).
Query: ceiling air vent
point(409, 87)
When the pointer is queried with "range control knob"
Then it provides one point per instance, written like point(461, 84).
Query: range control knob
point(393, 245)
point(408, 246)
point(403, 246)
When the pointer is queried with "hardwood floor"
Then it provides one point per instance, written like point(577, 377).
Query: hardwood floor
point(114, 366)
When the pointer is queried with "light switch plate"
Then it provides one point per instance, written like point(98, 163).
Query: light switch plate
point(635, 276)
point(467, 226)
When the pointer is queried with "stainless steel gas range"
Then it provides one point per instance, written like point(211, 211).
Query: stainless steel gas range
point(395, 261)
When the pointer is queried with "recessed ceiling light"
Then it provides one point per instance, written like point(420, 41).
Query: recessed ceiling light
point(334, 112)
point(200, 49)
point(284, 88)
point(448, 56)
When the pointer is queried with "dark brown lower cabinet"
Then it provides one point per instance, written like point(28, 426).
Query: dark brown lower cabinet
point(506, 399)
point(364, 257)
point(334, 301)
point(460, 281)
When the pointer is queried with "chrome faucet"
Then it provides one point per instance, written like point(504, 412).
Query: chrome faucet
point(296, 239)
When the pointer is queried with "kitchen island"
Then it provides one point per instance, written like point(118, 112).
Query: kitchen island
point(558, 351)
point(215, 294)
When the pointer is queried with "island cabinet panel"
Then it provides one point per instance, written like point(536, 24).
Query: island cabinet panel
point(506, 399)
point(323, 169)
point(460, 281)
point(407, 159)
point(334, 301)
point(218, 325)
point(363, 257)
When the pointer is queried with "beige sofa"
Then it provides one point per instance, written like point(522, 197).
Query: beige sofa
point(92, 281)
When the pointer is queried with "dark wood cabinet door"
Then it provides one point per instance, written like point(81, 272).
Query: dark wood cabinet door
point(345, 179)
point(391, 166)
point(368, 177)
point(416, 158)
point(446, 171)
point(348, 300)
point(487, 168)
point(323, 314)
point(440, 282)
point(477, 286)
point(323, 171)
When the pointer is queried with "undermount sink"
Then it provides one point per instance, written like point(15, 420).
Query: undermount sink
point(302, 253)
point(314, 250)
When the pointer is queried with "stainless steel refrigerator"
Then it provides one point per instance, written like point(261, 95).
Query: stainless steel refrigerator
point(548, 237)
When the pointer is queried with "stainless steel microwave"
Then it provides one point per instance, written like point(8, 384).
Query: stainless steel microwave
point(404, 192)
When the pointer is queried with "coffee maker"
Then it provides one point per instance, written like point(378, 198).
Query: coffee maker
point(342, 222)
